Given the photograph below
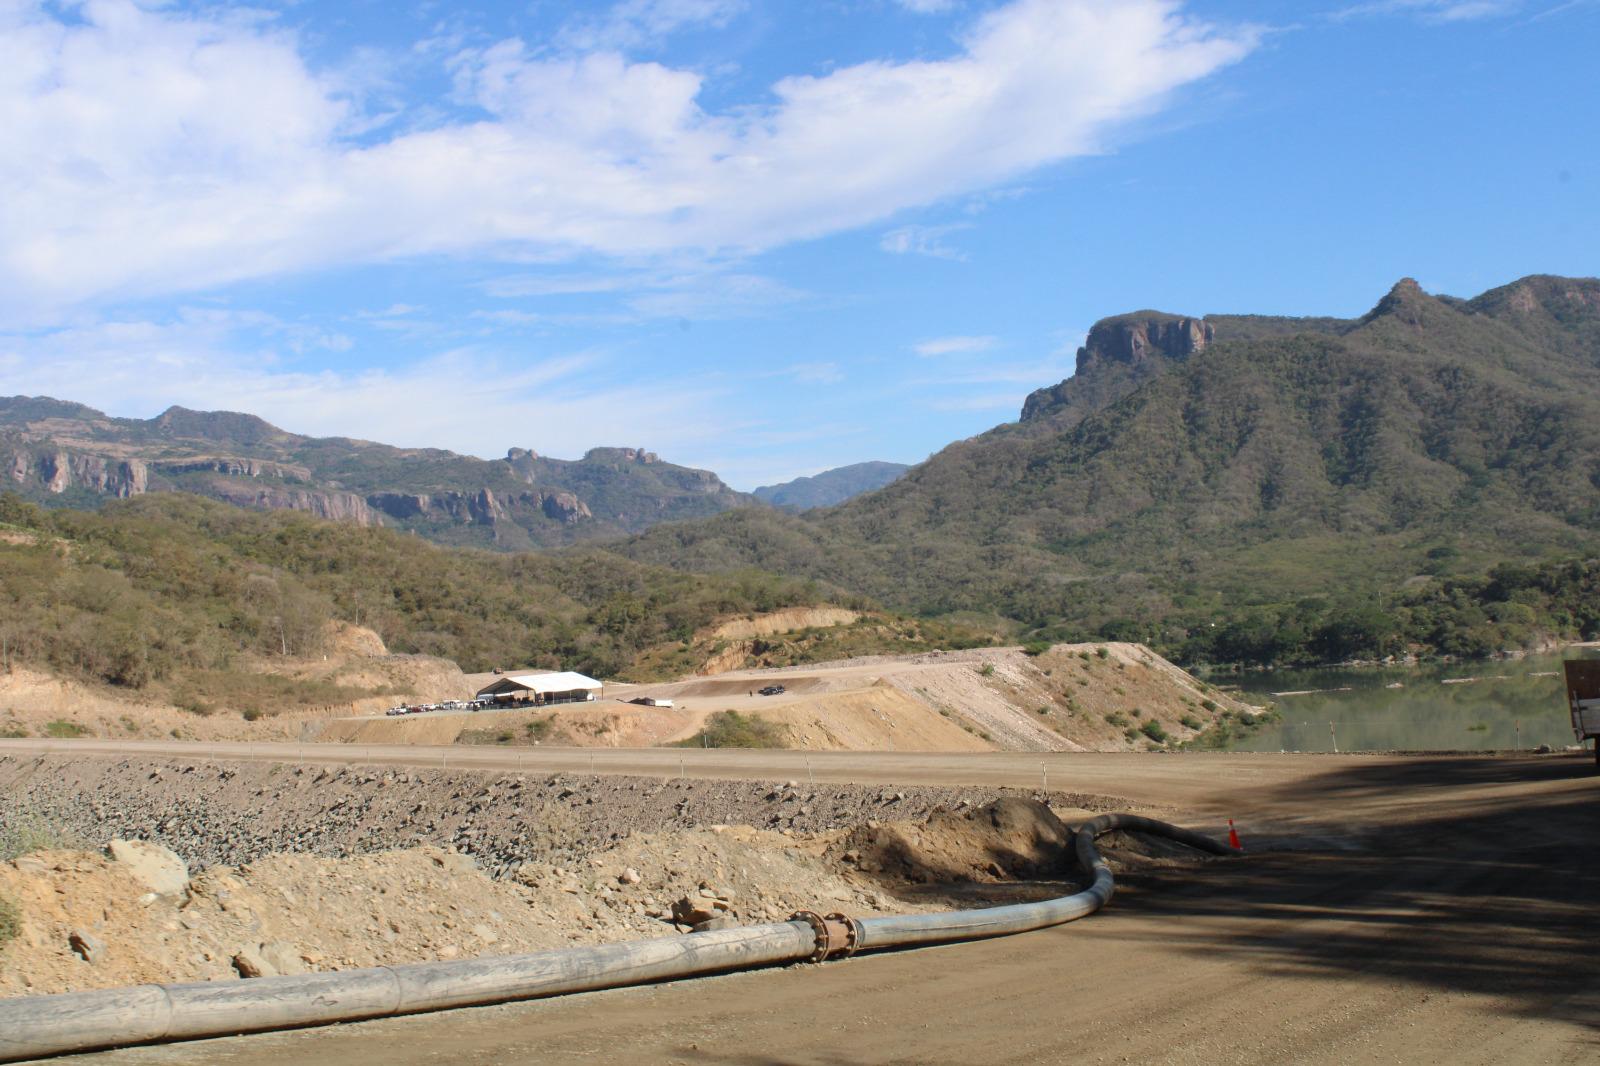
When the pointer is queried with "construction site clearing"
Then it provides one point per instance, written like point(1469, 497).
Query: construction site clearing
point(1384, 908)
point(1105, 696)
point(1071, 698)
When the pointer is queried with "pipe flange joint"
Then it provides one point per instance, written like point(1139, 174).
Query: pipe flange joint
point(819, 929)
point(852, 935)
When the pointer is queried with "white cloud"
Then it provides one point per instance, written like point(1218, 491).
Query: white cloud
point(824, 373)
point(954, 346)
point(148, 151)
point(634, 24)
point(467, 399)
point(1433, 10)
point(923, 240)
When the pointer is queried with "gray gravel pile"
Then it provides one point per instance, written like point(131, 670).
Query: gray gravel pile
point(222, 813)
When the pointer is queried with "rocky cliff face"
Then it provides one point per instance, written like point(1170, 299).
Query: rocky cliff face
point(1132, 339)
point(56, 471)
point(50, 448)
point(483, 507)
point(1118, 355)
point(337, 506)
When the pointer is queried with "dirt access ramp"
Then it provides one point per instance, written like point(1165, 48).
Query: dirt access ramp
point(1073, 697)
point(1454, 926)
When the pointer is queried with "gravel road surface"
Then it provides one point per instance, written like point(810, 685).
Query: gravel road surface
point(1392, 909)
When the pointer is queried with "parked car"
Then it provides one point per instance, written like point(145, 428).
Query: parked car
point(772, 690)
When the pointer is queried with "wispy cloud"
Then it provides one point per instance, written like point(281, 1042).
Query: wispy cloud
point(924, 240)
point(954, 346)
point(1432, 10)
point(637, 24)
point(137, 368)
point(814, 373)
point(236, 160)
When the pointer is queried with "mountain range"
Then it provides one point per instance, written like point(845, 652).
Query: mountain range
point(69, 453)
point(1194, 465)
point(830, 486)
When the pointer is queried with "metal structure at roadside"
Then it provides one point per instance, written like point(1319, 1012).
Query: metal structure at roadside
point(39, 1026)
point(1583, 699)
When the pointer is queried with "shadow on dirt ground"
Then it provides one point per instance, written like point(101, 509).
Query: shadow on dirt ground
point(1493, 895)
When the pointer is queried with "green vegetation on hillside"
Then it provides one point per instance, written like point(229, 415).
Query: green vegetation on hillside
point(1302, 475)
point(170, 591)
point(730, 729)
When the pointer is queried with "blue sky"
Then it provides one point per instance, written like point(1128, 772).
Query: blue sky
point(762, 238)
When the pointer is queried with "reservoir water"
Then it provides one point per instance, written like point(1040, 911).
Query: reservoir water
point(1455, 707)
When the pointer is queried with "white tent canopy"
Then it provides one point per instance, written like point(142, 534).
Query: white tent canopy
point(565, 686)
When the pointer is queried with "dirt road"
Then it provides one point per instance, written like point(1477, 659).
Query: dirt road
point(1442, 912)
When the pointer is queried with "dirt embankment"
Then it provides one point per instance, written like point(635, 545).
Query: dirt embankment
point(87, 920)
point(1074, 697)
point(219, 813)
point(784, 621)
point(263, 698)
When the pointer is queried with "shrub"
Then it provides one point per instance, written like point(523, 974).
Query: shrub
point(538, 729)
point(1036, 647)
point(730, 729)
point(251, 714)
point(1153, 730)
point(1116, 719)
point(1189, 721)
point(27, 833)
point(62, 729)
point(1210, 705)
point(10, 919)
point(1044, 710)
point(1103, 653)
point(987, 670)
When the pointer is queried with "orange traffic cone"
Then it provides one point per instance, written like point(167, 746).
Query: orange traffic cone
point(1233, 837)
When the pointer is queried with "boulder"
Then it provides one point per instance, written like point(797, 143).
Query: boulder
point(251, 963)
point(693, 911)
point(282, 956)
point(86, 945)
point(30, 864)
point(159, 869)
point(715, 923)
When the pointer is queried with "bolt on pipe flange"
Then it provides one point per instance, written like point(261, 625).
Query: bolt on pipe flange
point(852, 933)
point(836, 934)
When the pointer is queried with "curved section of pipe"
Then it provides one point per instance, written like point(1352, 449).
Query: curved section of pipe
point(906, 929)
point(39, 1026)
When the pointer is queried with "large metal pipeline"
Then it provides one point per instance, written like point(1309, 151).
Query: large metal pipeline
point(39, 1026)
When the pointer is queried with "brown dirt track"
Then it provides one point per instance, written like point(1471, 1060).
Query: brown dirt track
point(1392, 909)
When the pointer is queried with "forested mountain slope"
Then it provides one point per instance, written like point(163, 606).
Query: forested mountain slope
point(1195, 466)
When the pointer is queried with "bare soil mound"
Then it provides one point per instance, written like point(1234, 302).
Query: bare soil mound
point(87, 921)
point(1008, 838)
